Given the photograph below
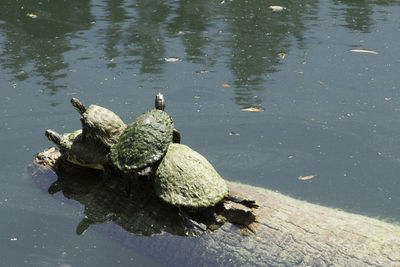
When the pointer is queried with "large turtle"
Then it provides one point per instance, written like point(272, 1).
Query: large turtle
point(145, 141)
point(185, 179)
point(90, 146)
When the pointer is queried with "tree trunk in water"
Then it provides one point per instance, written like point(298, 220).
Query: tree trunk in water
point(289, 232)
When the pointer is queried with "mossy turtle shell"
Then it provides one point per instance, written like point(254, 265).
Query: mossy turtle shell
point(185, 178)
point(88, 153)
point(102, 125)
point(144, 142)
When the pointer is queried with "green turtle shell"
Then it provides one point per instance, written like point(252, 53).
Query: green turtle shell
point(88, 153)
point(144, 142)
point(185, 178)
point(102, 124)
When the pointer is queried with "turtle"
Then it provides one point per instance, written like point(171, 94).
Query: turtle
point(90, 146)
point(187, 180)
point(145, 140)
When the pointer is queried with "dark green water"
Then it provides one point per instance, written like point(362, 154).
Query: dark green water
point(327, 111)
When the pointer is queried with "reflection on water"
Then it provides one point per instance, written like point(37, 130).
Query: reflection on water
point(249, 36)
point(37, 34)
point(257, 36)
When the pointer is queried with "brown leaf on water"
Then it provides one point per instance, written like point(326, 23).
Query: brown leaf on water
point(276, 8)
point(225, 85)
point(304, 178)
point(364, 51)
point(252, 109)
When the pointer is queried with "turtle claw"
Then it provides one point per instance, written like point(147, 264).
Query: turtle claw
point(78, 105)
point(53, 137)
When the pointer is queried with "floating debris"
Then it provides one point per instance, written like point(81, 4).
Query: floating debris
point(290, 157)
point(172, 59)
point(202, 71)
point(225, 85)
point(31, 15)
point(304, 178)
point(388, 98)
point(233, 133)
point(277, 8)
point(252, 109)
point(282, 55)
point(364, 51)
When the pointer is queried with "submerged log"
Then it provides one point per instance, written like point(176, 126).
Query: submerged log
point(289, 232)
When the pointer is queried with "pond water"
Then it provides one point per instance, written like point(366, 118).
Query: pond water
point(327, 111)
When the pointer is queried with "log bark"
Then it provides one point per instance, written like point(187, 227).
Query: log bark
point(289, 232)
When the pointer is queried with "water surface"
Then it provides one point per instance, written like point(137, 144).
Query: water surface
point(328, 111)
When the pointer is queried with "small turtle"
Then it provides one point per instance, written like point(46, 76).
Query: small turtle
point(145, 141)
point(62, 141)
point(90, 146)
point(185, 179)
point(99, 123)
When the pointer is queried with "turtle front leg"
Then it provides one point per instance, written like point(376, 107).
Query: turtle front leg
point(192, 228)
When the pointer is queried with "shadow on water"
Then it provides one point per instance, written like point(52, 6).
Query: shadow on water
point(140, 212)
point(37, 35)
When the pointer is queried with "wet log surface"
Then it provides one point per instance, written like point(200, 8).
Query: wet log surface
point(289, 232)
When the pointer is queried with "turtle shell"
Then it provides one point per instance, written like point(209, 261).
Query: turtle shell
point(185, 178)
point(88, 153)
point(102, 124)
point(144, 142)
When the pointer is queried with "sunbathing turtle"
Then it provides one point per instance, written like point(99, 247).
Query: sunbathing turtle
point(90, 146)
point(145, 141)
point(185, 179)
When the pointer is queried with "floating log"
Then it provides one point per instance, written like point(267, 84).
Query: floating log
point(289, 232)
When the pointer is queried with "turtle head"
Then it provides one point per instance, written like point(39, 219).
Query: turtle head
point(160, 102)
point(53, 137)
point(78, 105)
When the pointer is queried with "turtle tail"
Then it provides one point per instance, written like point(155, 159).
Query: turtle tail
point(245, 202)
point(78, 105)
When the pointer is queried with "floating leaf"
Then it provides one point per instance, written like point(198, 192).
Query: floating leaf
point(276, 8)
point(304, 178)
point(252, 109)
point(31, 15)
point(225, 85)
point(202, 71)
point(364, 51)
point(172, 59)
